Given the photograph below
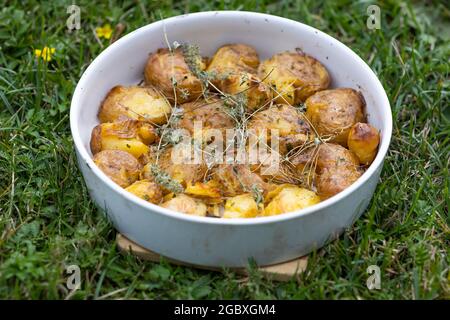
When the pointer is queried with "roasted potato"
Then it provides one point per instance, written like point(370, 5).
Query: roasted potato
point(180, 169)
point(146, 190)
point(185, 204)
point(333, 155)
point(208, 192)
point(325, 155)
point(293, 76)
point(325, 164)
point(333, 112)
point(363, 140)
point(334, 180)
point(234, 69)
point(209, 112)
point(168, 71)
point(338, 168)
point(304, 164)
point(236, 179)
point(120, 166)
point(288, 198)
point(292, 126)
point(241, 206)
point(132, 136)
point(138, 103)
point(233, 56)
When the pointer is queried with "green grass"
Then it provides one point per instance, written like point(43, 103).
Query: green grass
point(47, 220)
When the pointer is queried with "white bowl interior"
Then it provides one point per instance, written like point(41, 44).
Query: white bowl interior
point(124, 61)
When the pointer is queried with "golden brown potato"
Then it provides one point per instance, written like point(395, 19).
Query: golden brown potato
point(325, 155)
point(132, 136)
point(169, 72)
point(288, 198)
point(241, 206)
point(292, 126)
point(146, 190)
point(304, 163)
point(139, 103)
point(337, 168)
point(233, 56)
point(185, 204)
point(335, 179)
point(333, 112)
point(236, 179)
point(210, 112)
point(333, 155)
point(256, 94)
point(120, 166)
point(180, 170)
point(293, 76)
point(208, 189)
point(363, 140)
point(234, 68)
point(324, 163)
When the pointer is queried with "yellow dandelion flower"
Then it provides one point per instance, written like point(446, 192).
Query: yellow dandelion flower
point(45, 53)
point(104, 32)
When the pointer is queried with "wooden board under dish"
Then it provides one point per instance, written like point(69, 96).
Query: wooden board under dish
point(279, 272)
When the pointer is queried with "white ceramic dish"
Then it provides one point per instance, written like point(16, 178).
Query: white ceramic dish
point(226, 242)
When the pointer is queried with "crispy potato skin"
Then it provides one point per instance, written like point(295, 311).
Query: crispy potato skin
point(293, 76)
point(120, 166)
point(241, 206)
point(179, 170)
point(256, 92)
point(338, 168)
point(288, 198)
point(333, 112)
point(138, 103)
point(208, 192)
point(132, 136)
point(293, 128)
point(209, 112)
point(235, 68)
point(363, 140)
point(236, 179)
point(331, 165)
point(333, 155)
point(185, 204)
point(232, 56)
point(333, 180)
point(164, 66)
point(146, 190)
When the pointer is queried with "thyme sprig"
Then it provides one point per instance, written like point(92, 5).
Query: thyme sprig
point(165, 180)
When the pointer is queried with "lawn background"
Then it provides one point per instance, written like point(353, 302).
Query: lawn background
point(47, 220)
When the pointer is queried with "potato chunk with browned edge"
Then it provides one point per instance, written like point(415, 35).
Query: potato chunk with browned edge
point(185, 204)
point(138, 103)
point(120, 166)
point(168, 71)
point(236, 179)
point(210, 113)
point(234, 72)
point(132, 136)
point(146, 190)
point(293, 76)
point(333, 112)
point(363, 140)
point(182, 170)
point(338, 169)
point(331, 181)
point(290, 124)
